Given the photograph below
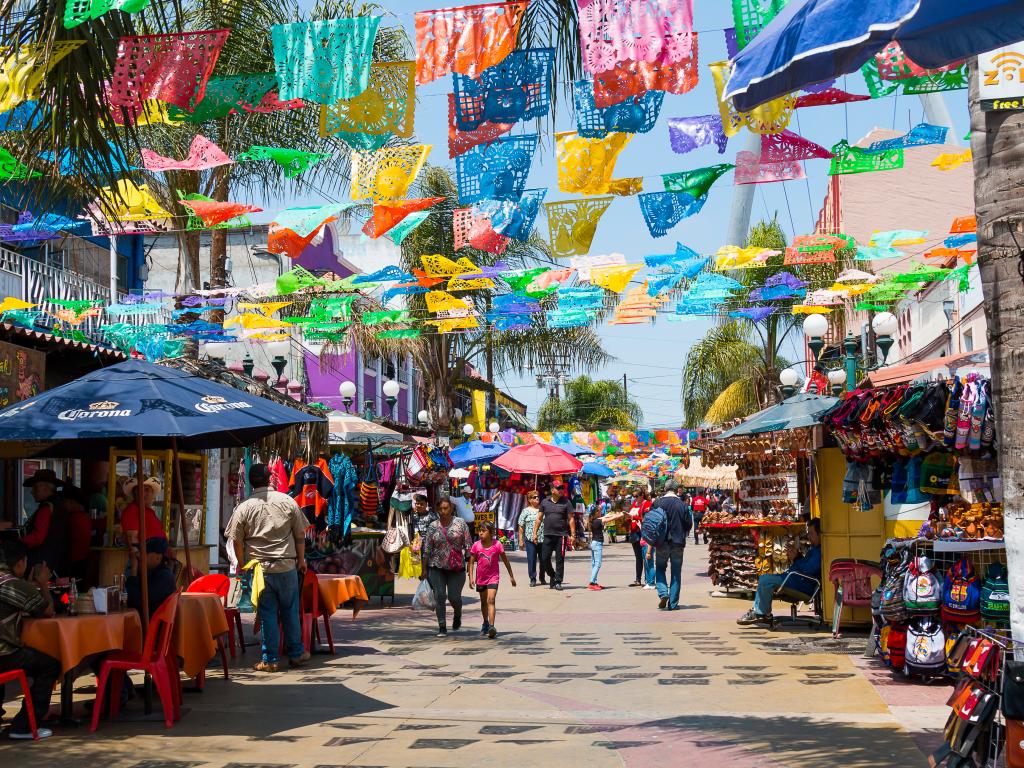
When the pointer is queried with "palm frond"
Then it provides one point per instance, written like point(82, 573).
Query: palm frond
point(736, 400)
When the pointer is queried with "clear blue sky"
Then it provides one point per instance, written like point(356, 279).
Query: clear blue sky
point(652, 356)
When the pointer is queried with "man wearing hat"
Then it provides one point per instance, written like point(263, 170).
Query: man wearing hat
point(130, 518)
point(160, 579)
point(47, 536)
point(464, 505)
point(556, 515)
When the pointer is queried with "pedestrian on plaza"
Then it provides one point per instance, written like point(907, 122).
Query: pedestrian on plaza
point(20, 597)
point(443, 563)
point(269, 528)
point(532, 535)
point(597, 524)
point(808, 564)
point(698, 506)
point(422, 516)
point(464, 505)
point(484, 572)
point(670, 551)
point(556, 515)
point(636, 516)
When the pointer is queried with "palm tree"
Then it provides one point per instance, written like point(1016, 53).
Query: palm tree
point(733, 371)
point(996, 141)
point(247, 50)
point(590, 406)
point(444, 359)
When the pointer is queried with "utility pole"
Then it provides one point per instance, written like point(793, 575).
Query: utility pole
point(625, 390)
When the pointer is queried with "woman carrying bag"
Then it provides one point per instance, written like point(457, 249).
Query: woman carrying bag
point(445, 545)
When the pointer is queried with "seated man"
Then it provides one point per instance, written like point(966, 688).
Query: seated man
point(160, 578)
point(19, 598)
point(807, 565)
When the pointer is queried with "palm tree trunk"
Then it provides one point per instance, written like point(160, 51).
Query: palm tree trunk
point(997, 143)
point(219, 237)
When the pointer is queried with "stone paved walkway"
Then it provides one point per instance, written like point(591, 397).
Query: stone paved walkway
point(574, 678)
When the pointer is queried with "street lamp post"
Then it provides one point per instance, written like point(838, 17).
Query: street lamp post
point(347, 390)
point(837, 378)
point(884, 325)
point(788, 378)
point(391, 389)
point(815, 328)
point(850, 346)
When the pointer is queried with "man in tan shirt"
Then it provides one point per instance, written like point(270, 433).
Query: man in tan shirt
point(269, 528)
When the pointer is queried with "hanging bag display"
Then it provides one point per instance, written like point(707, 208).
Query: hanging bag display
point(369, 492)
point(995, 595)
point(961, 594)
point(922, 594)
point(893, 609)
point(926, 648)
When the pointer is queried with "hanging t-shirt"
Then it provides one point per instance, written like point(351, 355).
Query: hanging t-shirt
point(312, 486)
point(487, 561)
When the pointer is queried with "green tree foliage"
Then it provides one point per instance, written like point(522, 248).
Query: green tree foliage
point(589, 406)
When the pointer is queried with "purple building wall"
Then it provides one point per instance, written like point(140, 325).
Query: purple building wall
point(317, 258)
point(326, 375)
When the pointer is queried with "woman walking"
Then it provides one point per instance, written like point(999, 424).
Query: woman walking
point(641, 505)
point(597, 524)
point(445, 545)
point(483, 570)
point(531, 535)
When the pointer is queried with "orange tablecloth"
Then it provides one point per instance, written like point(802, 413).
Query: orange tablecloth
point(198, 623)
point(71, 638)
point(337, 590)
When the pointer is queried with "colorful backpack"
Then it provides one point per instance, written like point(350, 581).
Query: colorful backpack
point(892, 608)
point(961, 594)
point(995, 594)
point(922, 593)
point(896, 645)
point(926, 648)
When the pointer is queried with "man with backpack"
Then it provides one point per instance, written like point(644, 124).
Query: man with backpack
point(666, 528)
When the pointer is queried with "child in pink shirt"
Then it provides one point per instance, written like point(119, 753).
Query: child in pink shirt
point(483, 564)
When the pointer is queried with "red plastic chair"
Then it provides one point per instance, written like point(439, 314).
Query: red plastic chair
point(16, 675)
point(219, 584)
point(154, 661)
point(853, 587)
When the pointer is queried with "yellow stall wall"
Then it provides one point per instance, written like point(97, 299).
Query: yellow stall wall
point(845, 530)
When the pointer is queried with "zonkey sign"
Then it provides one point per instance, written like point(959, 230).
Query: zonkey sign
point(1001, 78)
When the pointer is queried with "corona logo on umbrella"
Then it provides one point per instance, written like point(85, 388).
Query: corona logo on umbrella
point(215, 404)
point(105, 409)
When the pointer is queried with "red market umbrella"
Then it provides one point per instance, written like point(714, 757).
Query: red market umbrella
point(538, 459)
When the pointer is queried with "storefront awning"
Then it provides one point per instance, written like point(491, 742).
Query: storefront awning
point(944, 366)
point(349, 429)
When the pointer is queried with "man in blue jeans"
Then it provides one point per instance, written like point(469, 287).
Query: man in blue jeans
point(809, 564)
point(671, 552)
point(269, 528)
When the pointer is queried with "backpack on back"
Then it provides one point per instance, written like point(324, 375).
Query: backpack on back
point(926, 648)
point(995, 594)
point(961, 594)
point(922, 593)
point(654, 527)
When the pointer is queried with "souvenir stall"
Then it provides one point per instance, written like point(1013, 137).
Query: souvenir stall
point(929, 447)
point(694, 474)
point(772, 455)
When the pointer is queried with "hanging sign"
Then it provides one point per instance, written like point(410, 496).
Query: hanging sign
point(1001, 78)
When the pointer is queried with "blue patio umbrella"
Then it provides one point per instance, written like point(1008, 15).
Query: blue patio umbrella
point(812, 41)
point(597, 469)
point(136, 399)
point(475, 452)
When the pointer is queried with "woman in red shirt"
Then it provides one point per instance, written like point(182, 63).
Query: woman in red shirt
point(130, 514)
point(641, 506)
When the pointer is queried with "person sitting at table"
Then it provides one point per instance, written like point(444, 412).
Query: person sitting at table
point(47, 531)
point(130, 514)
point(19, 598)
point(159, 578)
point(809, 564)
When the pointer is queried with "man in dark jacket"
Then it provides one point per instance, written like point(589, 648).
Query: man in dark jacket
point(671, 551)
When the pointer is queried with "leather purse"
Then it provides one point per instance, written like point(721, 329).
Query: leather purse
point(1013, 690)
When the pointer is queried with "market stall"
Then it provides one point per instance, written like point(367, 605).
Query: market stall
point(771, 452)
point(923, 454)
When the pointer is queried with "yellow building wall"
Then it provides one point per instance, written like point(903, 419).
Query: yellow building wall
point(846, 531)
point(479, 411)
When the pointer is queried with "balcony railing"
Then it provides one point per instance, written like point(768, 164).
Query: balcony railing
point(38, 283)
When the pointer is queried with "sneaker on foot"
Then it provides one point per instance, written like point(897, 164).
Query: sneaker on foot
point(484, 628)
point(649, 586)
point(749, 618)
point(492, 632)
point(265, 666)
point(442, 632)
point(44, 733)
point(533, 583)
point(557, 586)
point(299, 661)
point(662, 603)
point(592, 586)
point(635, 584)
point(456, 623)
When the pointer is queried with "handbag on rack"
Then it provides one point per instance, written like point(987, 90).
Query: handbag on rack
point(1013, 690)
point(397, 536)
